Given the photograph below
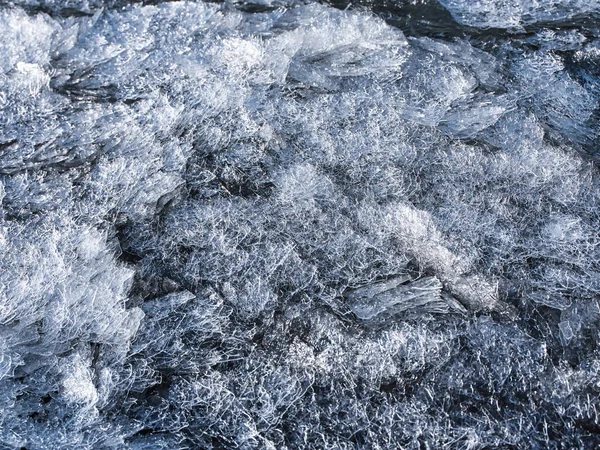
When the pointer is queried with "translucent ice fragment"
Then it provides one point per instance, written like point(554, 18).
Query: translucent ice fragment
point(551, 300)
point(5, 362)
point(332, 44)
point(161, 307)
point(390, 298)
point(474, 292)
point(468, 119)
point(371, 290)
point(566, 332)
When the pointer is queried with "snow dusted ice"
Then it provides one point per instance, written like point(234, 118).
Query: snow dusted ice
point(286, 225)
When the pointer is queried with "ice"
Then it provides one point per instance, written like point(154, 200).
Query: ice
point(5, 365)
point(77, 383)
point(282, 224)
point(564, 103)
point(515, 14)
point(422, 295)
point(34, 36)
point(162, 307)
point(550, 300)
point(369, 291)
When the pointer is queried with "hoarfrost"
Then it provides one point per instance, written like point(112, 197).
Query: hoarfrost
point(286, 225)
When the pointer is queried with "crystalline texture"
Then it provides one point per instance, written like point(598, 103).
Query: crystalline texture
point(517, 13)
point(278, 224)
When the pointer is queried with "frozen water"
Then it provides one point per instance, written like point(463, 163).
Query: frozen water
point(422, 295)
point(280, 224)
point(515, 14)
